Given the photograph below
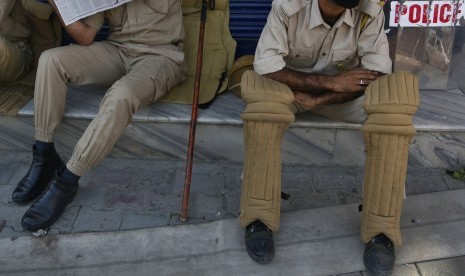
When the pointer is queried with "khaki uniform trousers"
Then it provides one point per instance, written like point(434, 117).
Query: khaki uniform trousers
point(15, 60)
point(135, 80)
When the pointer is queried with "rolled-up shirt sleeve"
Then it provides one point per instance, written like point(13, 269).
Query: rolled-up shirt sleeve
point(273, 45)
point(373, 47)
point(95, 21)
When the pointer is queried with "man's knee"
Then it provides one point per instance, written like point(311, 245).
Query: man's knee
point(267, 100)
point(14, 61)
point(52, 57)
point(393, 94)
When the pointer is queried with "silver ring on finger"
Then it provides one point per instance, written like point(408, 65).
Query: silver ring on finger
point(361, 82)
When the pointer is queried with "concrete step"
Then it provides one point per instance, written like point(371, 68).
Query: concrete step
point(123, 193)
point(322, 241)
point(161, 131)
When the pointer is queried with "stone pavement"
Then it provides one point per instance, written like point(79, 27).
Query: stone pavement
point(321, 241)
point(123, 194)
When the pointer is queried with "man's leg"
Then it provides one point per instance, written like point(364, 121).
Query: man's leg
point(148, 78)
point(98, 63)
point(266, 118)
point(390, 103)
point(57, 68)
point(15, 63)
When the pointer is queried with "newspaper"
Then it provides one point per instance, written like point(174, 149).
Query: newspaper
point(73, 10)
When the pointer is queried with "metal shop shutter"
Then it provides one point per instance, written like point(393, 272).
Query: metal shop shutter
point(247, 19)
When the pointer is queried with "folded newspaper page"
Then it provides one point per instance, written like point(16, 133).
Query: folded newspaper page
point(73, 10)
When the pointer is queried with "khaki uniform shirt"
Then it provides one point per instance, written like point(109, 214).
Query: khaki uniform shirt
point(13, 21)
point(296, 36)
point(145, 27)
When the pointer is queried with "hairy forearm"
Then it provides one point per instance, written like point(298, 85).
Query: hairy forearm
point(354, 80)
point(300, 81)
point(313, 101)
point(336, 98)
point(313, 90)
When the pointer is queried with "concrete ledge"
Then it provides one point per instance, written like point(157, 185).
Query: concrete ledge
point(311, 242)
point(162, 131)
point(440, 110)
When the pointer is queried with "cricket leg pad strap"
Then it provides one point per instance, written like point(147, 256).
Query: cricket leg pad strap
point(390, 103)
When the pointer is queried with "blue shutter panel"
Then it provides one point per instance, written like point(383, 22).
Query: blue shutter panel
point(247, 19)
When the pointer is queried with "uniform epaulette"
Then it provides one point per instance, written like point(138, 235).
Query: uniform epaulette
point(291, 7)
point(370, 7)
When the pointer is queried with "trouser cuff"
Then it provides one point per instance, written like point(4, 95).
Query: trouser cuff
point(76, 166)
point(46, 137)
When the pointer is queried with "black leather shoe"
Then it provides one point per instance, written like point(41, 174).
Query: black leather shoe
point(43, 167)
point(259, 242)
point(46, 210)
point(379, 256)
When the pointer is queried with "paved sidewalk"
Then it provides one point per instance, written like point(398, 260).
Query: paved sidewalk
point(124, 194)
point(322, 241)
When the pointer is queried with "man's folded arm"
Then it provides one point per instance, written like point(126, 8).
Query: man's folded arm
point(81, 31)
point(313, 90)
point(301, 81)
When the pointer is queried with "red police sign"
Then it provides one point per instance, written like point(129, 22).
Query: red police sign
point(424, 13)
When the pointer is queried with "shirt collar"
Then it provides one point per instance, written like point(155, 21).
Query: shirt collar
point(317, 20)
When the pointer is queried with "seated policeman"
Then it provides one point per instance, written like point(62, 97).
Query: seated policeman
point(16, 57)
point(327, 52)
point(140, 61)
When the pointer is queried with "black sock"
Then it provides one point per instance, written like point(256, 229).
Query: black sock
point(68, 176)
point(43, 146)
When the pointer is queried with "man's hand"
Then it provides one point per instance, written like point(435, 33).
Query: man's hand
point(354, 80)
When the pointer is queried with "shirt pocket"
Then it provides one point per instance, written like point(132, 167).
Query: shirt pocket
point(344, 59)
point(165, 7)
point(300, 57)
